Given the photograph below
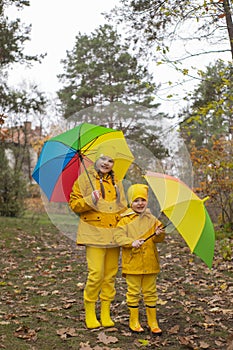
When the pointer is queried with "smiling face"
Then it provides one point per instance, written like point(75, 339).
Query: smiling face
point(104, 164)
point(139, 205)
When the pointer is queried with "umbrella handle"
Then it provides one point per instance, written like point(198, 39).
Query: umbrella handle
point(153, 234)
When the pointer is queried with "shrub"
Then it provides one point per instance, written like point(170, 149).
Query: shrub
point(12, 188)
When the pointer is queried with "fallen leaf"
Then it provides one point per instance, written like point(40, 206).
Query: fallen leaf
point(188, 341)
point(67, 306)
point(174, 330)
point(230, 342)
point(80, 285)
point(55, 292)
point(25, 332)
point(68, 332)
point(219, 343)
point(85, 346)
point(215, 309)
point(97, 347)
point(69, 301)
point(144, 342)
point(103, 338)
point(3, 283)
point(204, 345)
point(126, 334)
point(184, 340)
point(53, 309)
point(208, 325)
point(111, 329)
point(227, 311)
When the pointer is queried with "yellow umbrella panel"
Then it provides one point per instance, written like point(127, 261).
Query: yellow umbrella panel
point(186, 211)
point(114, 143)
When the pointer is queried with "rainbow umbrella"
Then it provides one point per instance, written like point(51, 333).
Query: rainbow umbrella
point(64, 157)
point(187, 212)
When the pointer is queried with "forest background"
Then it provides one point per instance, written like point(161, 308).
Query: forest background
point(110, 68)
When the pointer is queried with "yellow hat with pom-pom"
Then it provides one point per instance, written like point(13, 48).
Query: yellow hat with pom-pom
point(137, 191)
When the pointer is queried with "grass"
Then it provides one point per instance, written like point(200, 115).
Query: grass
point(42, 278)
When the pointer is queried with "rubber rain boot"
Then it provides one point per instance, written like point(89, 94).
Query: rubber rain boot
point(134, 323)
point(90, 315)
point(152, 320)
point(105, 318)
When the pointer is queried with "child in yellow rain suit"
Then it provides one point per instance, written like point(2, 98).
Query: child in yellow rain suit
point(140, 260)
point(99, 213)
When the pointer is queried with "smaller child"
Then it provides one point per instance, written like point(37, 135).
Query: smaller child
point(140, 260)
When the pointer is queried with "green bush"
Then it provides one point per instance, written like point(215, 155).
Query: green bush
point(12, 188)
point(224, 237)
point(226, 249)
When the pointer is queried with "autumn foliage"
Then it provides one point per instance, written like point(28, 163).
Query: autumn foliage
point(213, 170)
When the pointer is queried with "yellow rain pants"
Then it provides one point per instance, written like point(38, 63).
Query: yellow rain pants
point(141, 285)
point(102, 269)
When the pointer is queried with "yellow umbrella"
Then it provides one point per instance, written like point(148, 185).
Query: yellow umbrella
point(187, 212)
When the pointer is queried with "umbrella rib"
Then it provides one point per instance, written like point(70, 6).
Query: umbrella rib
point(180, 202)
point(90, 145)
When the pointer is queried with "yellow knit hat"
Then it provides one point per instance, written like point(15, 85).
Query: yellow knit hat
point(137, 191)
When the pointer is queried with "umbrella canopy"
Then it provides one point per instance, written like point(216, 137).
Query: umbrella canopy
point(187, 212)
point(64, 157)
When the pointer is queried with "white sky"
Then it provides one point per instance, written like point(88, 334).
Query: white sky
point(55, 23)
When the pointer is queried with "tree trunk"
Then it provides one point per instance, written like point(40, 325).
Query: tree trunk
point(229, 22)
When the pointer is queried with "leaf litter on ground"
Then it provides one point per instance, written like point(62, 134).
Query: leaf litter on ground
point(42, 279)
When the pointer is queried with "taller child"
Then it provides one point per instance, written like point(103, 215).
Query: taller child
point(99, 212)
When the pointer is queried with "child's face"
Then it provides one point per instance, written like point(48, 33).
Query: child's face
point(104, 164)
point(139, 205)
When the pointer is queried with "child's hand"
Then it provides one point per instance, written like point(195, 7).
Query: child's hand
point(137, 243)
point(159, 230)
point(95, 196)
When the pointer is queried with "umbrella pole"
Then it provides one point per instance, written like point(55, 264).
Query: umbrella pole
point(83, 163)
point(81, 159)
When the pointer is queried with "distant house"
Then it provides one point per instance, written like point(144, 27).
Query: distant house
point(19, 147)
point(23, 134)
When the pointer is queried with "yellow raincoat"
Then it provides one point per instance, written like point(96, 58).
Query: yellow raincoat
point(96, 221)
point(132, 226)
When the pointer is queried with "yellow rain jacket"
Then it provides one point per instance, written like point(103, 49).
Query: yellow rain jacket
point(132, 226)
point(96, 221)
